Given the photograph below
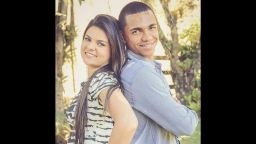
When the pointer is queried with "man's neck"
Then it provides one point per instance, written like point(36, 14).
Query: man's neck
point(138, 56)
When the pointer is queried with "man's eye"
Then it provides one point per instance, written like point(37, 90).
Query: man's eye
point(135, 32)
point(153, 27)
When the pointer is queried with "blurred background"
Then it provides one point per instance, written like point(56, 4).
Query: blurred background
point(178, 50)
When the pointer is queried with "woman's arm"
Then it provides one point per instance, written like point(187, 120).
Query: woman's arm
point(123, 116)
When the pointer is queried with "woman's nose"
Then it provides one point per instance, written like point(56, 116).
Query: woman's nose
point(90, 46)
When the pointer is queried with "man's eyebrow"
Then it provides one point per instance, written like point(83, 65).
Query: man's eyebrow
point(139, 28)
point(136, 28)
point(152, 25)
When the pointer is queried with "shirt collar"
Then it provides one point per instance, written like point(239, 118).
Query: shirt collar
point(135, 56)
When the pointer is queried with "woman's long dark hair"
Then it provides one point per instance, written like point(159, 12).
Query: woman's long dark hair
point(109, 25)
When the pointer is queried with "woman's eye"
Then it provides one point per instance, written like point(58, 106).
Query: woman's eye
point(87, 39)
point(101, 44)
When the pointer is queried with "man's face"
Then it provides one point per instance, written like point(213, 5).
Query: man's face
point(141, 33)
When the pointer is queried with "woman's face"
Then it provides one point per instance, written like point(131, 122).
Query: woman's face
point(95, 49)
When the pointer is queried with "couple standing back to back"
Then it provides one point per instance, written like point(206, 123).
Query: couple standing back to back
point(126, 98)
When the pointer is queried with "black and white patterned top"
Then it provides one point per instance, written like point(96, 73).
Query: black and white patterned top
point(100, 123)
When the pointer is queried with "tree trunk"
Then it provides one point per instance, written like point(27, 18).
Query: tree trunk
point(177, 72)
point(109, 7)
point(60, 20)
point(72, 45)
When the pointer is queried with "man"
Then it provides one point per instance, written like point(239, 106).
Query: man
point(160, 118)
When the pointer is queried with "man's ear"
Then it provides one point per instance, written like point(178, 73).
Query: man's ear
point(122, 36)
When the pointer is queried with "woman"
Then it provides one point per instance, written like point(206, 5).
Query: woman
point(100, 113)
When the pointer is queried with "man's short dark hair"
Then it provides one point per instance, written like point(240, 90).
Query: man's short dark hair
point(132, 8)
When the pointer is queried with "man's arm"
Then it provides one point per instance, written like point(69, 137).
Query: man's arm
point(152, 98)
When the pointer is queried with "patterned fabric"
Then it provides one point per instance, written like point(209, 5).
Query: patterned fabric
point(100, 123)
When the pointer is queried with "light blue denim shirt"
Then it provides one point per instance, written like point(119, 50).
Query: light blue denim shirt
point(161, 119)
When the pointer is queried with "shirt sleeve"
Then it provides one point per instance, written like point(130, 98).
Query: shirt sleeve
point(101, 81)
point(152, 98)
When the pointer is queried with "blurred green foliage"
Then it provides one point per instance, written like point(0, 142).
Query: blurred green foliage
point(195, 138)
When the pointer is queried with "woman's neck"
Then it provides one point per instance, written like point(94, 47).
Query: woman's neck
point(91, 70)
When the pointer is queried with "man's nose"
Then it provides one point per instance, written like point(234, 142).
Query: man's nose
point(146, 36)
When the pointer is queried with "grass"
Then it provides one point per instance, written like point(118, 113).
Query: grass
point(195, 138)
